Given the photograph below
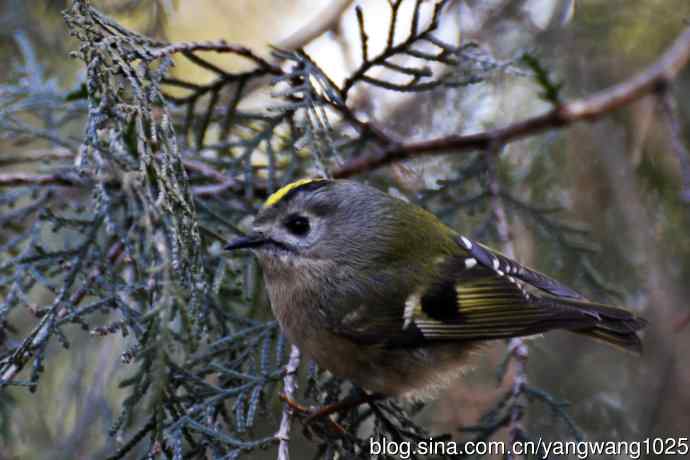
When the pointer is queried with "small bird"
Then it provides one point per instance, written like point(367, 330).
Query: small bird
point(379, 291)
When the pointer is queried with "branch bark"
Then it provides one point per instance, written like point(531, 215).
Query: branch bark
point(219, 46)
point(20, 179)
point(289, 388)
point(221, 183)
point(654, 78)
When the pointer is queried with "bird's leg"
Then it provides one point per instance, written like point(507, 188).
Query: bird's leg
point(294, 405)
point(308, 413)
point(350, 402)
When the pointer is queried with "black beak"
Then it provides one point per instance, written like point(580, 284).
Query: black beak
point(244, 242)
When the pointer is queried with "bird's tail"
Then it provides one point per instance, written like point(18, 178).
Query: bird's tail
point(613, 325)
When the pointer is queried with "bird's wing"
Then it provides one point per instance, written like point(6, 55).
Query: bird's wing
point(502, 265)
point(483, 295)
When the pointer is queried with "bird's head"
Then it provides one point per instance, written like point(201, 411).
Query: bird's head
point(311, 223)
point(317, 219)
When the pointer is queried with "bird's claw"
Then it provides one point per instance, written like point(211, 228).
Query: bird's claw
point(310, 416)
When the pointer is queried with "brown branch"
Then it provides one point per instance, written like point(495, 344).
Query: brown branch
point(37, 155)
point(390, 51)
point(221, 182)
point(326, 20)
point(220, 46)
point(654, 78)
point(205, 169)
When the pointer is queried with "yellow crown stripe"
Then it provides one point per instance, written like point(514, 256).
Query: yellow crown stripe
point(284, 190)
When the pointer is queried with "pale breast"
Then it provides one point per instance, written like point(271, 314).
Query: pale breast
point(412, 372)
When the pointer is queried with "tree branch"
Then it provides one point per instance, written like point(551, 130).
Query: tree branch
point(326, 20)
point(289, 388)
point(219, 46)
point(654, 78)
point(37, 155)
point(221, 182)
point(20, 179)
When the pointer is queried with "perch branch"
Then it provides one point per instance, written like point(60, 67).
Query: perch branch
point(289, 388)
point(654, 78)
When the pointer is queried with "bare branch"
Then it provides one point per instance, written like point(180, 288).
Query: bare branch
point(221, 182)
point(518, 354)
point(20, 179)
point(220, 46)
point(363, 37)
point(37, 155)
point(289, 388)
point(325, 21)
point(391, 49)
point(655, 77)
point(395, 7)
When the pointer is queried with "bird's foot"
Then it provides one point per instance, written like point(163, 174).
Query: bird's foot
point(309, 415)
point(323, 413)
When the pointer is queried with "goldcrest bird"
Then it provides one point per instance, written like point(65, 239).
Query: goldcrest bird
point(380, 292)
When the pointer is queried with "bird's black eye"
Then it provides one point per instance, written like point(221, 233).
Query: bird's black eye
point(297, 225)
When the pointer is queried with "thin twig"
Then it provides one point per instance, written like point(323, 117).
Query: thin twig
point(363, 37)
point(289, 388)
point(518, 354)
point(657, 75)
point(21, 358)
point(326, 20)
point(21, 179)
point(390, 50)
point(37, 155)
point(219, 46)
point(222, 181)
